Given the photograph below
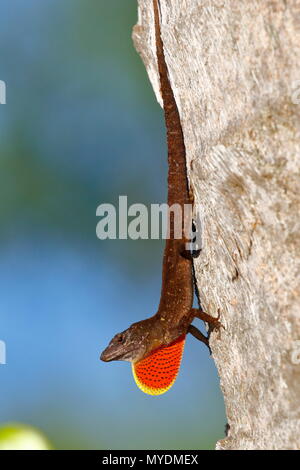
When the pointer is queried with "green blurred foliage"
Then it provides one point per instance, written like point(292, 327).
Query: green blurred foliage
point(17, 436)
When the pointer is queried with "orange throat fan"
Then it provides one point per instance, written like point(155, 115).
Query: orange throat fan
point(157, 372)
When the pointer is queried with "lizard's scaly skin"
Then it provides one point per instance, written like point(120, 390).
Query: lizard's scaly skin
point(154, 346)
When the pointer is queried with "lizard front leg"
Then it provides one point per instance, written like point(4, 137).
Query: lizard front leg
point(212, 321)
point(198, 335)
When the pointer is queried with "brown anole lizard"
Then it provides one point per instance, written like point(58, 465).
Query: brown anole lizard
point(154, 346)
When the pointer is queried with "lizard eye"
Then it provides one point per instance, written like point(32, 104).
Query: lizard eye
point(120, 339)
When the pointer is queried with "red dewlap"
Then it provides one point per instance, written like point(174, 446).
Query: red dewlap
point(157, 372)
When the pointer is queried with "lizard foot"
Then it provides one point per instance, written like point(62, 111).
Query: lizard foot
point(214, 322)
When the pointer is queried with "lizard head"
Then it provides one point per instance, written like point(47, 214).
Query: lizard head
point(155, 362)
point(129, 345)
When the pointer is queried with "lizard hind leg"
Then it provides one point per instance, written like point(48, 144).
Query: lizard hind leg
point(157, 372)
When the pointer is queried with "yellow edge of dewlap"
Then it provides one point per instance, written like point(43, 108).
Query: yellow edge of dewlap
point(150, 390)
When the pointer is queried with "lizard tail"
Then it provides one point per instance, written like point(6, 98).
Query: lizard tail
point(157, 373)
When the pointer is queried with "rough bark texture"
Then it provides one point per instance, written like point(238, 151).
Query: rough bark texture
point(234, 67)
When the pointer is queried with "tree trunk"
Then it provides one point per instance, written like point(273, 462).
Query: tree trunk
point(234, 69)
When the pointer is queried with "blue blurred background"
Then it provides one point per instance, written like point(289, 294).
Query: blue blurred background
point(81, 126)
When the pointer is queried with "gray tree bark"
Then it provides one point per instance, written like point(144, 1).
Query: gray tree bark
point(234, 69)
